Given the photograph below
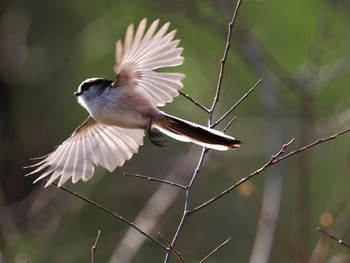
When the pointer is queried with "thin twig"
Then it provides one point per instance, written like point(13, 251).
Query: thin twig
point(187, 96)
point(113, 214)
point(274, 159)
point(237, 103)
point(243, 180)
point(93, 248)
point(171, 247)
point(330, 235)
point(187, 203)
point(223, 60)
point(216, 249)
point(152, 179)
point(319, 141)
point(229, 124)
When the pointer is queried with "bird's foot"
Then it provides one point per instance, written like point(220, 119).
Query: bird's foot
point(156, 138)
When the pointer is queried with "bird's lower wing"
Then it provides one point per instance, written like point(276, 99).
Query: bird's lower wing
point(90, 145)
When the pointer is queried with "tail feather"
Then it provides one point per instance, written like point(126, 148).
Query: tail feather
point(191, 132)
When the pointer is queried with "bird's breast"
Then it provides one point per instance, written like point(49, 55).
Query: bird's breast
point(124, 108)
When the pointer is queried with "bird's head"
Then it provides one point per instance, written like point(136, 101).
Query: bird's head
point(92, 89)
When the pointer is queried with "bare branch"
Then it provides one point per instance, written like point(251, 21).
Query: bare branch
point(93, 248)
point(223, 60)
point(187, 203)
point(187, 96)
point(216, 249)
point(204, 150)
point(171, 247)
point(274, 159)
point(319, 141)
point(113, 214)
point(243, 180)
point(330, 235)
point(155, 180)
point(237, 103)
point(229, 124)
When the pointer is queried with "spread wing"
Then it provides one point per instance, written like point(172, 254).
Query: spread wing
point(142, 53)
point(91, 144)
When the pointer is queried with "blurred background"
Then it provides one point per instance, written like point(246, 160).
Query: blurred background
point(301, 51)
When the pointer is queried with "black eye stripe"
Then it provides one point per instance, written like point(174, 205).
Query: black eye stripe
point(85, 86)
point(101, 83)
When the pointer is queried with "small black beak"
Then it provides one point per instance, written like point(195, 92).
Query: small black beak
point(77, 93)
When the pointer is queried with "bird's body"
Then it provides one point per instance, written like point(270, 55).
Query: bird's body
point(122, 110)
point(119, 105)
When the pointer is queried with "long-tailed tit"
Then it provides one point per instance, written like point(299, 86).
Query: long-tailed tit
point(122, 110)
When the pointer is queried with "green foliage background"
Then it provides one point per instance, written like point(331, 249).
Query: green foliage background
point(299, 48)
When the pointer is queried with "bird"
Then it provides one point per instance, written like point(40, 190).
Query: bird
point(123, 110)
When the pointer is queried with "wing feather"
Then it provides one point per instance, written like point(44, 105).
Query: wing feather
point(145, 51)
point(90, 145)
point(67, 168)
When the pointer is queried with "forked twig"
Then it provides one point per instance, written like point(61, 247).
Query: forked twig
point(155, 180)
point(237, 103)
point(177, 253)
point(187, 203)
point(113, 214)
point(187, 96)
point(216, 249)
point(94, 246)
point(331, 236)
point(243, 180)
point(274, 159)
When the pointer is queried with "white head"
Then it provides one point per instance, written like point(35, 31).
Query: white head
point(93, 89)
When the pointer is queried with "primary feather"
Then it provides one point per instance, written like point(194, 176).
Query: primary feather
point(146, 51)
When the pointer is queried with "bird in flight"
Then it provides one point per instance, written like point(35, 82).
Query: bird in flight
point(123, 110)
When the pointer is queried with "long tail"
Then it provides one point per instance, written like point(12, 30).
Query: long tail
point(187, 131)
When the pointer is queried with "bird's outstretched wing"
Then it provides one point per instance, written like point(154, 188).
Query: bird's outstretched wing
point(90, 144)
point(145, 51)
